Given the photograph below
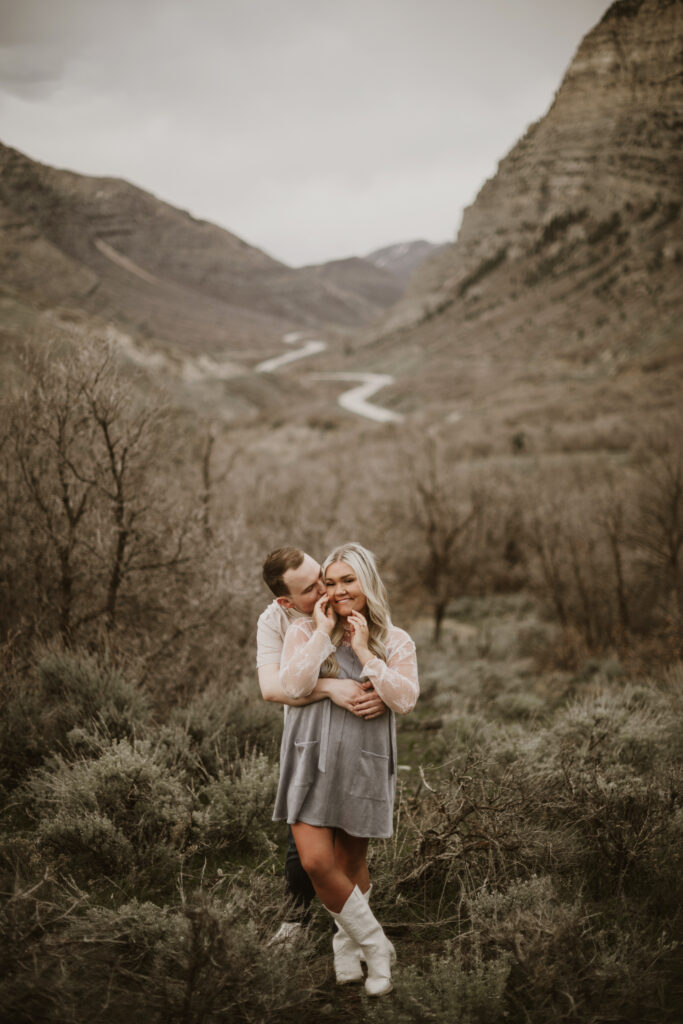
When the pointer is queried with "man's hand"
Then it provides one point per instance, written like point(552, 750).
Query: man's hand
point(324, 615)
point(358, 698)
point(369, 704)
point(343, 692)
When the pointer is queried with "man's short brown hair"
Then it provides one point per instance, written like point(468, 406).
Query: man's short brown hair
point(277, 563)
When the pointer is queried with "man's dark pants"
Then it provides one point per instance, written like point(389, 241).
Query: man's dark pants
point(298, 883)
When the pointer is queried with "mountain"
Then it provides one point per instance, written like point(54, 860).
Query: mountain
point(403, 258)
point(380, 278)
point(112, 250)
point(379, 288)
point(564, 279)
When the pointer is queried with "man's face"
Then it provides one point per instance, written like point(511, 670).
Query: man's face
point(305, 586)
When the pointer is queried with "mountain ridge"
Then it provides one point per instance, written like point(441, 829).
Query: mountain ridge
point(117, 251)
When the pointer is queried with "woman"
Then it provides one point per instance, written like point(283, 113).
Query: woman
point(338, 771)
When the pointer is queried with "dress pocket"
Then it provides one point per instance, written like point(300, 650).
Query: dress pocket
point(306, 762)
point(371, 777)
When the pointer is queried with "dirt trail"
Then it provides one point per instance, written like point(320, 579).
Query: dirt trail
point(122, 261)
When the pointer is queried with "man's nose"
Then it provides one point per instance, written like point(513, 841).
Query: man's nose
point(320, 589)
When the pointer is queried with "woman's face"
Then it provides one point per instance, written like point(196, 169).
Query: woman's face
point(343, 589)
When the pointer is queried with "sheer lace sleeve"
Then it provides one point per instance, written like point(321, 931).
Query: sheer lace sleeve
point(304, 651)
point(396, 679)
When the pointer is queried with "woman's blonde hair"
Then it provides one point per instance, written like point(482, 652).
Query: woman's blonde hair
point(364, 566)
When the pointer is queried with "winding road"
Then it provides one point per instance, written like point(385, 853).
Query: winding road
point(311, 348)
point(354, 400)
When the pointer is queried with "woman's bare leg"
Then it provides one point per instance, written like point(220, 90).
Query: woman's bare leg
point(317, 854)
point(350, 853)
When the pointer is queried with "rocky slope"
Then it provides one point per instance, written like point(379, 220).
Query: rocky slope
point(568, 262)
point(609, 146)
point(110, 249)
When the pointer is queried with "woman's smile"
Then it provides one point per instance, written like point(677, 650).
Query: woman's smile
point(344, 589)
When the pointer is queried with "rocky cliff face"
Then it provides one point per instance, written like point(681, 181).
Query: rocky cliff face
point(607, 153)
point(565, 276)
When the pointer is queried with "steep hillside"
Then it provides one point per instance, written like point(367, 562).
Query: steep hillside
point(113, 250)
point(561, 295)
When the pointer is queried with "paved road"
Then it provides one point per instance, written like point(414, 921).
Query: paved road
point(311, 348)
point(356, 400)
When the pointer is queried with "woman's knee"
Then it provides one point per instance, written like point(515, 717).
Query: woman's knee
point(316, 862)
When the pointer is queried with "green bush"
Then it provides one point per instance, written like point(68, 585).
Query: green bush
point(611, 777)
point(449, 987)
point(70, 695)
point(203, 961)
point(217, 726)
point(121, 815)
point(239, 805)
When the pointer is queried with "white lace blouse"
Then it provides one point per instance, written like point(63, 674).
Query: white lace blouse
point(306, 648)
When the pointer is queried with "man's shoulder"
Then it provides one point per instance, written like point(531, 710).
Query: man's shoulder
point(279, 619)
point(273, 615)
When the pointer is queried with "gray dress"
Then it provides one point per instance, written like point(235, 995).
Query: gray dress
point(337, 769)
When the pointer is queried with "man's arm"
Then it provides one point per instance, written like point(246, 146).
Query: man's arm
point(271, 689)
point(344, 692)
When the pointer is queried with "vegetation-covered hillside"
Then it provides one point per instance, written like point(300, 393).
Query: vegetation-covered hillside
point(535, 869)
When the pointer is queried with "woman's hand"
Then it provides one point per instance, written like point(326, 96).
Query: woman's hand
point(324, 615)
point(369, 704)
point(360, 636)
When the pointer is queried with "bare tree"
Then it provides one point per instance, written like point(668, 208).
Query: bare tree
point(91, 509)
point(658, 531)
point(446, 516)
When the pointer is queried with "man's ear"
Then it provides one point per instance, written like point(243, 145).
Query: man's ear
point(284, 602)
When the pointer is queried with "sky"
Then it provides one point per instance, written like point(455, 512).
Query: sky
point(313, 129)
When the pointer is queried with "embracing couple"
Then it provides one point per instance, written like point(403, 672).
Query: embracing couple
point(328, 650)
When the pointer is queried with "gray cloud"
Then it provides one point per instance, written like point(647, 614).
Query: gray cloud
point(311, 128)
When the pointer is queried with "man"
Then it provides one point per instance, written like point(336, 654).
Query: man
point(294, 579)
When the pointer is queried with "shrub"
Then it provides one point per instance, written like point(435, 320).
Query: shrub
point(451, 987)
point(218, 726)
point(201, 962)
point(70, 695)
point(239, 805)
point(121, 814)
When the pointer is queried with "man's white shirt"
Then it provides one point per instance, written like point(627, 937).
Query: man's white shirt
point(272, 625)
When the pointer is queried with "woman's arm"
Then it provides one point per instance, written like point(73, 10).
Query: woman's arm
point(395, 679)
point(303, 653)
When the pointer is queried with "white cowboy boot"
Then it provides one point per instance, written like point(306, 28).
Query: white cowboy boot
point(362, 926)
point(347, 955)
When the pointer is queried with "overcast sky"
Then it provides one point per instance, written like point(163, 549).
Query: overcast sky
point(313, 129)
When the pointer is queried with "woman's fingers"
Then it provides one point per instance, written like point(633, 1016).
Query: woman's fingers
point(323, 614)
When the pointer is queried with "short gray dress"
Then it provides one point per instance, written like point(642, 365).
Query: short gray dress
point(337, 769)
